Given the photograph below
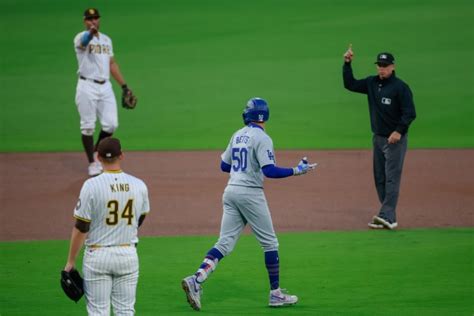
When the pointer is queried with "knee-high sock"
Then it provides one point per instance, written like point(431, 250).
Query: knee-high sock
point(102, 135)
point(208, 265)
point(272, 262)
point(88, 143)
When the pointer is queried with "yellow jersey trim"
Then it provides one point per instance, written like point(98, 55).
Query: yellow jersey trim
point(113, 171)
point(82, 219)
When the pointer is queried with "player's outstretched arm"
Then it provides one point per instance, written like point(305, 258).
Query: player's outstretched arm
point(272, 171)
point(303, 167)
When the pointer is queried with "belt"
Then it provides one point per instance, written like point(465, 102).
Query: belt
point(96, 81)
point(121, 245)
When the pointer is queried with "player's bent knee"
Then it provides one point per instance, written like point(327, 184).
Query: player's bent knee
point(110, 129)
point(224, 247)
point(270, 246)
point(87, 131)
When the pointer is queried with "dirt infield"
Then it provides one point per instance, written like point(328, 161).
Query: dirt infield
point(39, 191)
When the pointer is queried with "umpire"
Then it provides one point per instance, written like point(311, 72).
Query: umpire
point(391, 110)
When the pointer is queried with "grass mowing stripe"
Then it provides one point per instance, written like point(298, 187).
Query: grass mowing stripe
point(406, 272)
point(197, 63)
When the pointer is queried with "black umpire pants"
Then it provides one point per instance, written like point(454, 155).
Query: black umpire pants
point(388, 165)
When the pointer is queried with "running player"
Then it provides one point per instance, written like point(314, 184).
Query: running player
point(248, 157)
point(110, 209)
point(94, 94)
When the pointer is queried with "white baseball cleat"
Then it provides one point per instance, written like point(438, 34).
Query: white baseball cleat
point(193, 291)
point(382, 221)
point(375, 226)
point(280, 297)
point(95, 168)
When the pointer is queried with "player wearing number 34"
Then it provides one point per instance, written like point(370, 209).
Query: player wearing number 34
point(248, 158)
point(110, 209)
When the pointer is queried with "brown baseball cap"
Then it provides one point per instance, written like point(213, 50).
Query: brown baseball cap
point(109, 148)
point(91, 13)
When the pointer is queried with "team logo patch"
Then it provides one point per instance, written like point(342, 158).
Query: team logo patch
point(270, 155)
point(91, 11)
point(386, 101)
point(260, 117)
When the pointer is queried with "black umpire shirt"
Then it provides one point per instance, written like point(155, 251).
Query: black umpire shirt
point(391, 104)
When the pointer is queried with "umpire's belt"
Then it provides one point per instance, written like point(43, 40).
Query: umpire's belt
point(108, 246)
point(96, 81)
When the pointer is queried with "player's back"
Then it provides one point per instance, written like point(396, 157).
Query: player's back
point(249, 149)
point(113, 203)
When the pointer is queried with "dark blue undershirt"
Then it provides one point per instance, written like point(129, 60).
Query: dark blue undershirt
point(270, 171)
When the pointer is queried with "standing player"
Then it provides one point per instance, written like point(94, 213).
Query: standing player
point(392, 110)
point(94, 94)
point(248, 157)
point(110, 209)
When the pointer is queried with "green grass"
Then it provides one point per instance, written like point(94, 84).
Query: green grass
point(193, 65)
point(406, 272)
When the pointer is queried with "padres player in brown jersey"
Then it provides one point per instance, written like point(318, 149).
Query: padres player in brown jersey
point(94, 95)
point(110, 209)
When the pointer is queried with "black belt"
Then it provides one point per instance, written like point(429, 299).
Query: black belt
point(96, 81)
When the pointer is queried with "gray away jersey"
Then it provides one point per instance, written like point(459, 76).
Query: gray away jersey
point(112, 202)
point(249, 149)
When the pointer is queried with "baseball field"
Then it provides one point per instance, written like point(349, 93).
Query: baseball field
point(193, 65)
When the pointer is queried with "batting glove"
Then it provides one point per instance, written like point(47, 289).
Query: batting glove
point(303, 167)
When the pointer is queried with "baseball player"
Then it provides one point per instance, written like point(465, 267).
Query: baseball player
point(94, 95)
point(110, 209)
point(248, 157)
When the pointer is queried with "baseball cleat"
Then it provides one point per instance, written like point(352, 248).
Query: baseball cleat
point(381, 221)
point(280, 297)
point(95, 168)
point(193, 291)
point(375, 225)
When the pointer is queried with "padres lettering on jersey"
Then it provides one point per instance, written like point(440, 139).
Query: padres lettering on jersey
point(112, 203)
point(94, 60)
point(249, 149)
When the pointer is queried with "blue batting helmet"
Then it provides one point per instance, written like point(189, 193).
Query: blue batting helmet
point(256, 110)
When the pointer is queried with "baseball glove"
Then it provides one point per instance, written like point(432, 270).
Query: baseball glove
point(72, 284)
point(129, 100)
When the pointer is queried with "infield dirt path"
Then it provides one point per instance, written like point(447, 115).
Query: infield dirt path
point(39, 191)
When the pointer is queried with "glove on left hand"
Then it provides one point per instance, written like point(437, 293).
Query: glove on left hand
point(303, 167)
point(72, 284)
point(129, 100)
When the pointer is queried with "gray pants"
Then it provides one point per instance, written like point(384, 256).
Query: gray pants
point(388, 165)
point(242, 205)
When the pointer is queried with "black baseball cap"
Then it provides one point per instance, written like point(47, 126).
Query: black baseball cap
point(385, 58)
point(91, 13)
point(109, 148)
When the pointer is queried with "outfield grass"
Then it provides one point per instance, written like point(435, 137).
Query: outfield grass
point(193, 64)
point(406, 272)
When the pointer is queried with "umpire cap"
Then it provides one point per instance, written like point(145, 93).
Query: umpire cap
point(109, 148)
point(385, 58)
point(91, 13)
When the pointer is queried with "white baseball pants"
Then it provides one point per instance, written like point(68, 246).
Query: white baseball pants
point(94, 101)
point(110, 276)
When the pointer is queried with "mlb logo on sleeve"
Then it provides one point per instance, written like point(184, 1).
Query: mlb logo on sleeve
point(386, 101)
